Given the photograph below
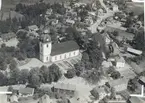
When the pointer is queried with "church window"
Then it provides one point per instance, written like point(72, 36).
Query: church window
point(74, 53)
point(47, 58)
point(47, 45)
point(55, 57)
point(65, 56)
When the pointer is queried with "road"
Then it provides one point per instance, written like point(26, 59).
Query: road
point(93, 28)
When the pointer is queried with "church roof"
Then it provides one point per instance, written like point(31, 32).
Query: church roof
point(64, 47)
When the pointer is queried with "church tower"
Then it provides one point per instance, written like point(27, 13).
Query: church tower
point(45, 46)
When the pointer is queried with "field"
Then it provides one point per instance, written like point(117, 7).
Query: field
point(137, 8)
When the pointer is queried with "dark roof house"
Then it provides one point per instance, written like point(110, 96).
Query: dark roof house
point(8, 36)
point(26, 91)
point(64, 47)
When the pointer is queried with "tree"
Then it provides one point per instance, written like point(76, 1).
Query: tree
point(128, 22)
point(79, 68)
point(3, 64)
point(132, 85)
point(45, 73)
point(115, 33)
point(34, 78)
point(113, 93)
point(24, 76)
point(95, 53)
point(115, 75)
point(95, 93)
point(139, 40)
point(85, 57)
point(13, 64)
point(10, 89)
point(21, 35)
point(54, 73)
point(14, 76)
point(141, 17)
point(3, 79)
point(70, 73)
point(30, 47)
point(92, 76)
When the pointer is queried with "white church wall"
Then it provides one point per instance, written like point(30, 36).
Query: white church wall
point(64, 56)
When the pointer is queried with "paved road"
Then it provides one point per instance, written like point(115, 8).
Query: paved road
point(93, 28)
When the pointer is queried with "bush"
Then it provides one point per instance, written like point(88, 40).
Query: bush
point(70, 73)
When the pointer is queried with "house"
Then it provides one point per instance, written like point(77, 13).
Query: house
point(54, 22)
point(26, 92)
point(13, 98)
point(102, 91)
point(114, 48)
point(136, 68)
point(141, 80)
point(119, 62)
point(3, 98)
point(134, 51)
point(7, 36)
point(136, 100)
point(64, 89)
point(107, 39)
point(100, 12)
point(49, 11)
point(45, 99)
point(11, 14)
point(55, 52)
point(115, 8)
point(33, 35)
point(33, 28)
point(70, 22)
point(118, 99)
point(4, 94)
point(119, 84)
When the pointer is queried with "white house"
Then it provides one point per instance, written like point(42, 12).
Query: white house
point(102, 91)
point(119, 84)
point(33, 28)
point(134, 51)
point(3, 98)
point(115, 8)
point(13, 99)
point(118, 99)
point(45, 99)
point(119, 61)
point(26, 92)
point(55, 52)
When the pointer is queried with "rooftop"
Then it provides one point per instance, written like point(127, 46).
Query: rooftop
point(33, 27)
point(135, 51)
point(118, 82)
point(65, 86)
point(142, 78)
point(45, 99)
point(64, 47)
point(119, 59)
point(136, 100)
point(26, 91)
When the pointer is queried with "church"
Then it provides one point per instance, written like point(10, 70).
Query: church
point(56, 52)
